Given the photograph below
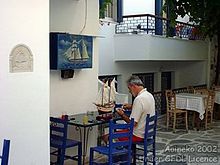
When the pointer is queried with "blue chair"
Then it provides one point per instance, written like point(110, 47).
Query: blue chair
point(148, 144)
point(59, 142)
point(5, 152)
point(116, 148)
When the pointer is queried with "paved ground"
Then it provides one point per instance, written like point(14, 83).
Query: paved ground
point(192, 148)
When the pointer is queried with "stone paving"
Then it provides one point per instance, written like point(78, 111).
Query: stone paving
point(192, 148)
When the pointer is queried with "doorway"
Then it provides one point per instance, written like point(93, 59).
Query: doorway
point(165, 84)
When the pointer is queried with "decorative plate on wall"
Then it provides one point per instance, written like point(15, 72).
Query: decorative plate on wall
point(21, 59)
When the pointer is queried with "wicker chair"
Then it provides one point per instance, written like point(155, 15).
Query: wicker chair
point(173, 112)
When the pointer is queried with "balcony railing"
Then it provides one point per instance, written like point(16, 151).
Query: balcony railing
point(151, 24)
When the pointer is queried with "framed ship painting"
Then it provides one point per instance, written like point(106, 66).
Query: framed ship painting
point(69, 51)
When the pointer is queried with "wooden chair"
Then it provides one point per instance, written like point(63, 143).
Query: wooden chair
point(5, 152)
point(209, 108)
point(202, 91)
point(190, 89)
point(215, 87)
point(173, 112)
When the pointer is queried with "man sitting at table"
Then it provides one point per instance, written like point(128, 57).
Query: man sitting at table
point(143, 104)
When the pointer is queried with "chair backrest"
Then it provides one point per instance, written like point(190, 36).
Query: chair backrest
point(58, 129)
point(5, 152)
point(168, 92)
point(190, 89)
point(215, 87)
point(202, 91)
point(150, 128)
point(123, 131)
point(170, 100)
point(210, 101)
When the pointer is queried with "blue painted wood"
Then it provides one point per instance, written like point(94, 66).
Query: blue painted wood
point(149, 143)
point(158, 22)
point(119, 10)
point(5, 152)
point(116, 150)
point(60, 142)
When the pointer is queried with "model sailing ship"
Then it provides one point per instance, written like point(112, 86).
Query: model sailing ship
point(106, 97)
point(73, 53)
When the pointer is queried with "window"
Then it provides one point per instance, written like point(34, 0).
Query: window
point(148, 80)
point(113, 10)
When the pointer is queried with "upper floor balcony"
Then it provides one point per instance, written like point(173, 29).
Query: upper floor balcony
point(149, 37)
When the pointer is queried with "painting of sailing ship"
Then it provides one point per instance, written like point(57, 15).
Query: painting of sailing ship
point(73, 51)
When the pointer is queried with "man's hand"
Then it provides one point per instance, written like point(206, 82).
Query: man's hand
point(120, 111)
point(127, 106)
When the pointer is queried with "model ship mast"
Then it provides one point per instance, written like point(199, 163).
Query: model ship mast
point(112, 91)
point(106, 97)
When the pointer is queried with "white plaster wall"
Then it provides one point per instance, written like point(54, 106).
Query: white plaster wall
point(24, 98)
point(151, 47)
point(106, 50)
point(74, 95)
point(185, 72)
point(74, 16)
point(194, 73)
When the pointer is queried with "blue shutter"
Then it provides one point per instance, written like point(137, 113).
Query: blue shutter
point(158, 22)
point(171, 31)
point(100, 3)
point(119, 10)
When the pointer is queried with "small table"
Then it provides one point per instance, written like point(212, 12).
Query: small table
point(77, 120)
point(189, 101)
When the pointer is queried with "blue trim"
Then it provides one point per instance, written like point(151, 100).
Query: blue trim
point(100, 3)
point(119, 10)
point(158, 22)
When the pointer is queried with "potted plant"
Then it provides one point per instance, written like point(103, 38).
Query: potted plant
point(103, 7)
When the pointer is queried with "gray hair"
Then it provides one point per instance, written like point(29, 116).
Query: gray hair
point(135, 80)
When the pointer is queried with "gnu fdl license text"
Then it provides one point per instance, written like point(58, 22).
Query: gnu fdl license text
point(208, 154)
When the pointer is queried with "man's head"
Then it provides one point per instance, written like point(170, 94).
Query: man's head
point(135, 85)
